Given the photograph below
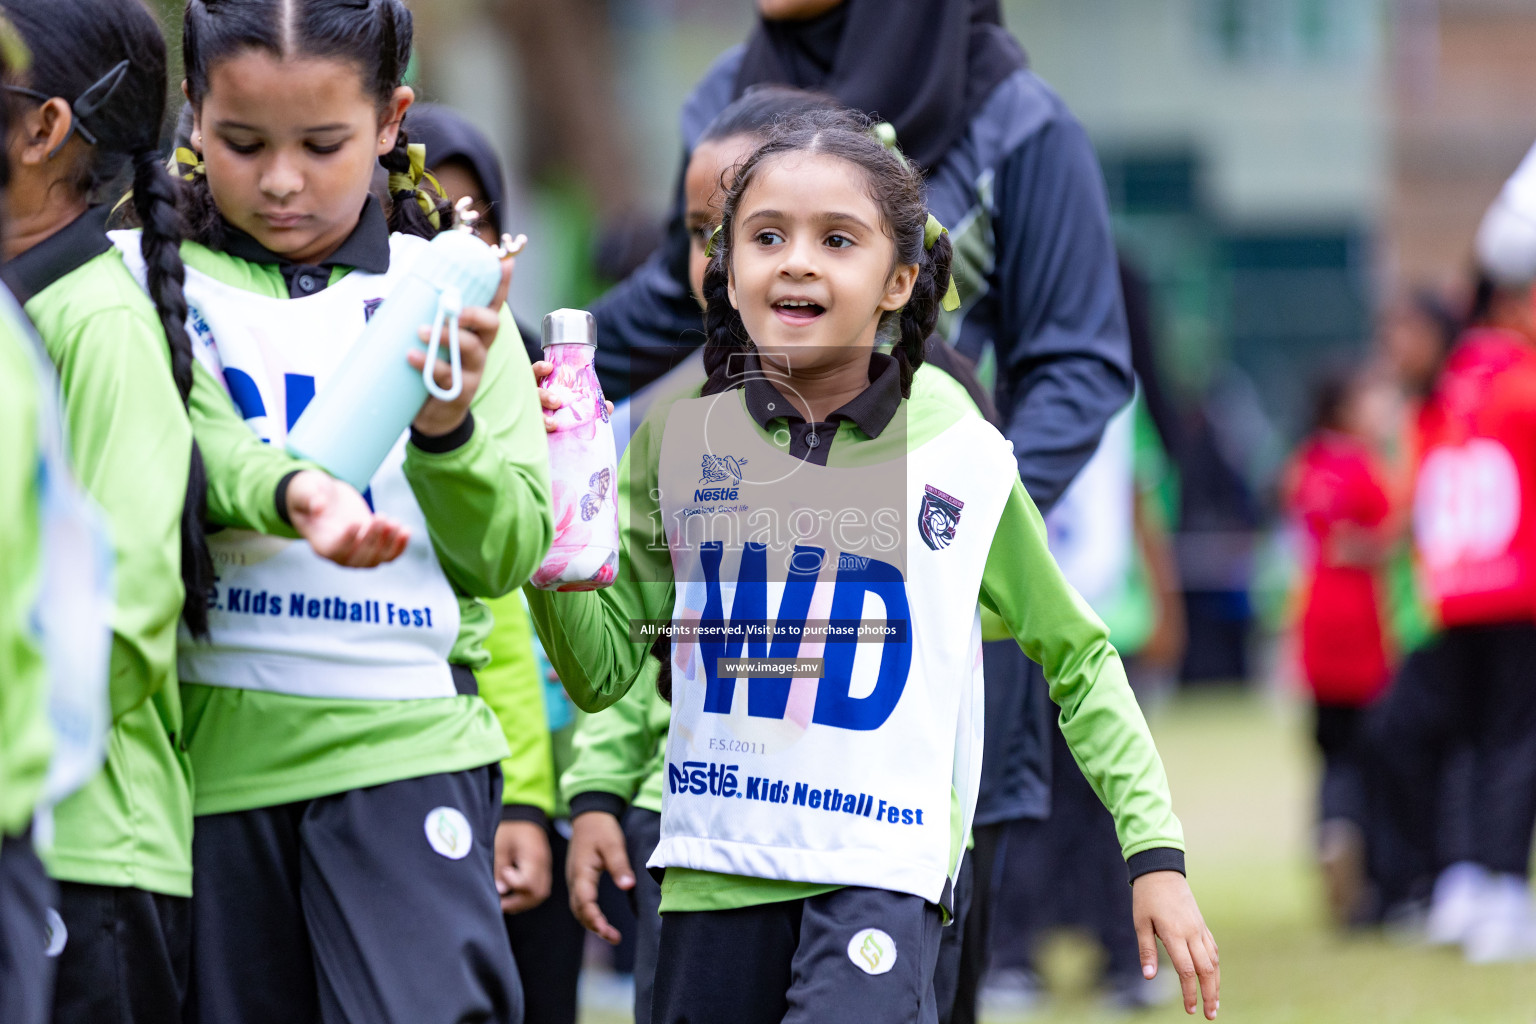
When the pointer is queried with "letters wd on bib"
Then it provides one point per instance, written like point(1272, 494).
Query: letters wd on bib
point(814, 779)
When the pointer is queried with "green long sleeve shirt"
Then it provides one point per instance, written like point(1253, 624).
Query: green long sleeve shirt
point(511, 685)
point(621, 752)
point(587, 636)
point(24, 735)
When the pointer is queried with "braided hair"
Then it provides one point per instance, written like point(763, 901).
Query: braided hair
point(78, 44)
point(373, 35)
point(895, 186)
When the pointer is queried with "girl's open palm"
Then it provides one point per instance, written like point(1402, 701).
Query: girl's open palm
point(1164, 908)
point(339, 525)
point(597, 845)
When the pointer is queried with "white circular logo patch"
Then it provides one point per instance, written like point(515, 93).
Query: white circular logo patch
point(872, 951)
point(449, 833)
point(58, 935)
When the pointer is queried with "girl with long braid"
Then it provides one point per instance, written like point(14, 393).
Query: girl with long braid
point(347, 765)
point(807, 496)
point(90, 104)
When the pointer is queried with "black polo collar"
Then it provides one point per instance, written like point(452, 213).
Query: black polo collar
point(61, 253)
point(871, 410)
point(366, 248)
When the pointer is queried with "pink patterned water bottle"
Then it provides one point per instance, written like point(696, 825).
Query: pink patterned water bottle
point(583, 467)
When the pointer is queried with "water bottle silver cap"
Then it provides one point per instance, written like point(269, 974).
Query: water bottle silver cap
point(569, 327)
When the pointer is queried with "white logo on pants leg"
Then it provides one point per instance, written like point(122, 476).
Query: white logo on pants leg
point(58, 935)
point(872, 951)
point(449, 833)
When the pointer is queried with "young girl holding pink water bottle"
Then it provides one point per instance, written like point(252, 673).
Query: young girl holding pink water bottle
point(820, 829)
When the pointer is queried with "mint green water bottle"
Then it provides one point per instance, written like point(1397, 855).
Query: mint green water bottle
point(354, 421)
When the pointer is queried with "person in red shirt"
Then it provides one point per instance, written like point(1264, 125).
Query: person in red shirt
point(1474, 529)
point(1335, 495)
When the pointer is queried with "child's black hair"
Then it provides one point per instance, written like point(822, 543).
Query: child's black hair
point(78, 44)
point(1484, 290)
point(10, 42)
point(763, 106)
point(1332, 388)
point(373, 35)
point(895, 186)
point(1439, 315)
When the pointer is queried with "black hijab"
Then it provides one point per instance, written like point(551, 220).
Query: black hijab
point(448, 135)
point(926, 66)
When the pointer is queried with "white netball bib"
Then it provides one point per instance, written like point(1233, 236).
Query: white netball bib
point(284, 619)
point(844, 778)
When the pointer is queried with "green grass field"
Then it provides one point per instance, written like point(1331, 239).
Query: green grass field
point(1242, 774)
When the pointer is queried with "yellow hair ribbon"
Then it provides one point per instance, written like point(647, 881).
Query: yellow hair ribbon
point(187, 163)
point(931, 233)
point(13, 49)
point(411, 182)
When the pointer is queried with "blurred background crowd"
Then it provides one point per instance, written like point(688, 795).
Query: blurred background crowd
point(1296, 189)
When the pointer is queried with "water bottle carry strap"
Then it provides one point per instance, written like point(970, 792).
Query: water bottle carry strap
point(449, 305)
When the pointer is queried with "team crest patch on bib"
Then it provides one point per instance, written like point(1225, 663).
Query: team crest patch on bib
point(938, 517)
point(449, 833)
point(872, 951)
point(56, 934)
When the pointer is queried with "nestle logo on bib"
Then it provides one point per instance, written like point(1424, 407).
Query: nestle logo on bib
point(724, 470)
point(718, 468)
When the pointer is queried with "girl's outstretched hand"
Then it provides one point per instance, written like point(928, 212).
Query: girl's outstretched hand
point(597, 845)
point(541, 369)
point(522, 860)
point(477, 332)
point(338, 523)
point(1164, 908)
